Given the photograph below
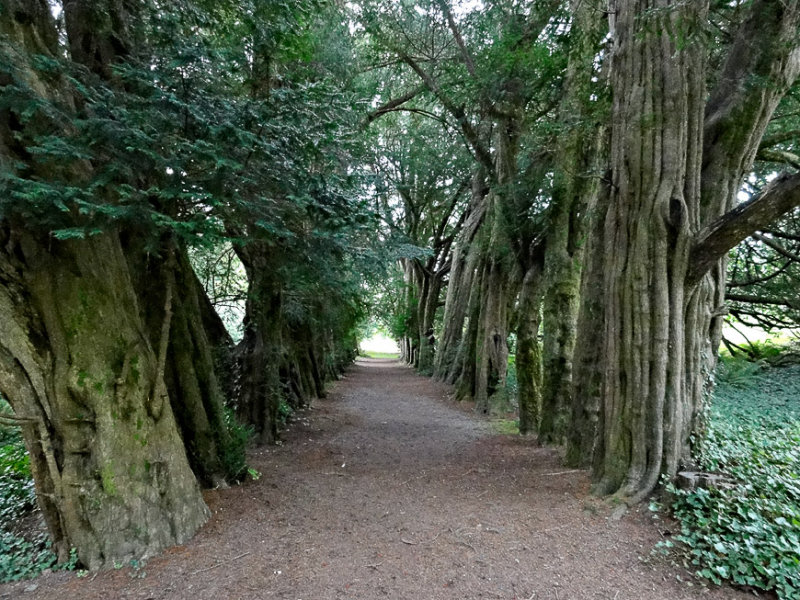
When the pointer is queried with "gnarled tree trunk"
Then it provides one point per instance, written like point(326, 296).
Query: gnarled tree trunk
point(76, 364)
point(78, 367)
point(190, 369)
point(666, 226)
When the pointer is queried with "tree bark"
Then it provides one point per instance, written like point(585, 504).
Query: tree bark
point(111, 472)
point(586, 396)
point(258, 354)
point(491, 357)
point(460, 283)
point(574, 190)
point(76, 364)
point(528, 357)
point(655, 163)
point(190, 370)
point(675, 171)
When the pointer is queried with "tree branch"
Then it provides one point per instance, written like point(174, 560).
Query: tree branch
point(779, 156)
point(451, 22)
point(753, 299)
point(779, 197)
point(777, 247)
point(392, 105)
point(481, 153)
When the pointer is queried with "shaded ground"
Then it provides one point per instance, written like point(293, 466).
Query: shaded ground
point(388, 490)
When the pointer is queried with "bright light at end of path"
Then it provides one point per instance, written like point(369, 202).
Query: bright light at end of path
point(380, 343)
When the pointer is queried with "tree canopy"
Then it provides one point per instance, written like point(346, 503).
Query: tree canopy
point(552, 205)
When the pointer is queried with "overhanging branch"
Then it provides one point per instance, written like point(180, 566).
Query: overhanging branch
point(392, 105)
point(779, 197)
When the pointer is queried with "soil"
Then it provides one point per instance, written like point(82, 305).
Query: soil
point(389, 489)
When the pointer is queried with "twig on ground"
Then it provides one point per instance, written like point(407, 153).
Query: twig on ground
point(219, 564)
point(375, 566)
point(430, 541)
point(565, 472)
point(470, 546)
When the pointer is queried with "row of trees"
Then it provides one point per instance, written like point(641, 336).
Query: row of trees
point(135, 139)
point(561, 173)
point(609, 144)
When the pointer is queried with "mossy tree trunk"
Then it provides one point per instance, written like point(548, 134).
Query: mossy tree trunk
point(76, 363)
point(528, 357)
point(574, 189)
point(78, 366)
point(664, 234)
point(190, 369)
point(587, 357)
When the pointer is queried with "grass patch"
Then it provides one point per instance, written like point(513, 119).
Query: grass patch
point(371, 354)
point(506, 426)
point(750, 534)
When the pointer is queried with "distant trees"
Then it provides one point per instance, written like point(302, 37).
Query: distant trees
point(637, 198)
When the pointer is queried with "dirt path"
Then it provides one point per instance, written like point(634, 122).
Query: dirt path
point(388, 490)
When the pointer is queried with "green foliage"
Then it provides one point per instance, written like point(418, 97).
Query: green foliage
point(285, 412)
point(506, 426)
point(737, 371)
point(749, 534)
point(234, 461)
point(21, 556)
point(16, 484)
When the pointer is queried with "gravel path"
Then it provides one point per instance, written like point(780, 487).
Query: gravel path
point(387, 489)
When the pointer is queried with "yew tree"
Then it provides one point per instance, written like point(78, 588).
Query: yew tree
point(687, 119)
point(132, 133)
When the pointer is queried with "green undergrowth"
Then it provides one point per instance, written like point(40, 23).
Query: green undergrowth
point(748, 534)
point(506, 426)
point(23, 554)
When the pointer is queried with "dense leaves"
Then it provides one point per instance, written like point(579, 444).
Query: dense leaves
point(749, 533)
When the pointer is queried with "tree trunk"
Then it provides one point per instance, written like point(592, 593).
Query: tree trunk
point(428, 302)
point(528, 358)
point(672, 181)
point(587, 359)
point(258, 354)
point(574, 191)
point(111, 472)
point(655, 162)
point(76, 364)
point(460, 283)
point(560, 315)
point(463, 369)
point(190, 371)
point(491, 358)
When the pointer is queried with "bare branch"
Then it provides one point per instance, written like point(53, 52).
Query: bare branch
point(779, 197)
point(451, 22)
point(458, 112)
